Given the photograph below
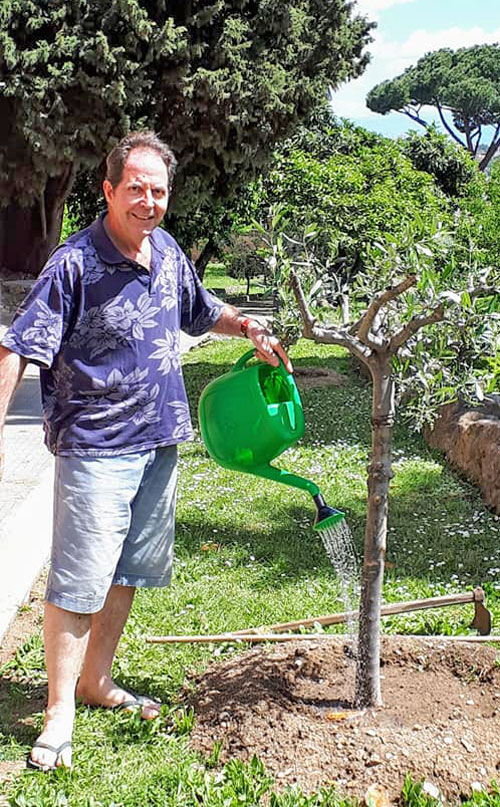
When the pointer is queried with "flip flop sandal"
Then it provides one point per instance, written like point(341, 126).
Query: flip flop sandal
point(136, 701)
point(57, 751)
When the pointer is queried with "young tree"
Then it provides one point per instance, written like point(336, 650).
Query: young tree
point(222, 82)
point(464, 87)
point(420, 327)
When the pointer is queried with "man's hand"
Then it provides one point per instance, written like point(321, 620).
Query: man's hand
point(268, 347)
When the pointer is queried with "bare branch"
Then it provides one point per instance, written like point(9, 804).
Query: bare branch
point(381, 299)
point(414, 325)
point(482, 291)
point(413, 114)
point(329, 335)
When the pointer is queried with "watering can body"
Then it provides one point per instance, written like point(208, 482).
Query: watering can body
point(250, 415)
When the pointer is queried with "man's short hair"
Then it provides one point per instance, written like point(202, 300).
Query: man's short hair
point(144, 139)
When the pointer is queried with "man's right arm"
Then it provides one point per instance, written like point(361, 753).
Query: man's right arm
point(12, 367)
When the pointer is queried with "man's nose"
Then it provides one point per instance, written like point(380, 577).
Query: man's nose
point(147, 197)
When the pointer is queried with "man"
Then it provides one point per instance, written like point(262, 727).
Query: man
point(102, 322)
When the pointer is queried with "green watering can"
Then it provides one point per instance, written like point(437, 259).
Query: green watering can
point(249, 416)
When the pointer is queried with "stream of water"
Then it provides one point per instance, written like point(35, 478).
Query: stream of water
point(339, 546)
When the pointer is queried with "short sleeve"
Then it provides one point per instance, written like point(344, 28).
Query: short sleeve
point(38, 327)
point(200, 310)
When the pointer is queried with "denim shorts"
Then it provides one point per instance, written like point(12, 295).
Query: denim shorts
point(114, 523)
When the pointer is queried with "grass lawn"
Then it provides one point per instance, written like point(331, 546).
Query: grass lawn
point(217, 281)
point(247, 555)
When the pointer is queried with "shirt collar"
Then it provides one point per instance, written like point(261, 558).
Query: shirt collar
point(105, 248)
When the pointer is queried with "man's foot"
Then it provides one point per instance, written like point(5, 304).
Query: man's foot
point(52, 749)
point(57, 762)
point(110, 696)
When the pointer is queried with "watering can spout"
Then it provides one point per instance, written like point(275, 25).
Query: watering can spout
point(286, 478)
point(326, 516)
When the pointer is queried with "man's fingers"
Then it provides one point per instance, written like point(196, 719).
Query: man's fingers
point(269, 357)
point(280, 350)
point(271, 350)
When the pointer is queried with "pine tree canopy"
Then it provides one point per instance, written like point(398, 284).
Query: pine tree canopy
point(464, 87)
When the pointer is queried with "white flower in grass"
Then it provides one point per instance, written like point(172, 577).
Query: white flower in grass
point(168, 352)
point(183, 420)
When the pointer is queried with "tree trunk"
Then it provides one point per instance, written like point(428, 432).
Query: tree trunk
point(204, 258)
point(490, 151)
point(29, 234)
point(368, 691)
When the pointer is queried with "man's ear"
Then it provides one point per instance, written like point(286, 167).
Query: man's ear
point(108, 190)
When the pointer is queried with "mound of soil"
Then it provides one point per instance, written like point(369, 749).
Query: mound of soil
point(292, 705)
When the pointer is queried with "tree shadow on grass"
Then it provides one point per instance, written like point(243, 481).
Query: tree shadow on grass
point(20, 702)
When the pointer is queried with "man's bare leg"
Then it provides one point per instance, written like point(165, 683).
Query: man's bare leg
point(95, 686)
point(65, 637)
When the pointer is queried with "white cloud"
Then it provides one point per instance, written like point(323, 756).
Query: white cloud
point(390, 58)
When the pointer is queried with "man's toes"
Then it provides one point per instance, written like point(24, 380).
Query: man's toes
point(65, 758)
point(51, 757)
point(150, 710)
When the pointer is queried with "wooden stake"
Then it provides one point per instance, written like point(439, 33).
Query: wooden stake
point(277, 632)
point(386, 610)
point(253, 638)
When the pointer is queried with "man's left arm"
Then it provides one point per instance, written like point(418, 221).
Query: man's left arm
point(267, 347)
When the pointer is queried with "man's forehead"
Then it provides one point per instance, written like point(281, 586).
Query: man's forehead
point(142, 164)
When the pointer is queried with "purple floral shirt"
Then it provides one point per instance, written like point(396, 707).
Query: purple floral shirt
point(105, 333)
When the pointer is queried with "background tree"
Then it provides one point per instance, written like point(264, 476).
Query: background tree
point(348, 186)
point(452, 167)
point(222, 82)
point(464, 87)
point(422, 319)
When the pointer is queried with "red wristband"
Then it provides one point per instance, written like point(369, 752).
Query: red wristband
point(244, 326)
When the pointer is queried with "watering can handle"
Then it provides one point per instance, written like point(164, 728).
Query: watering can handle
point(250, 354)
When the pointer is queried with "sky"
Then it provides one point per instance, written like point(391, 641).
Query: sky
point(407, 30)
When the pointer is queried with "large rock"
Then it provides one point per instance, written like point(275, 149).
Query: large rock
point(470, 439)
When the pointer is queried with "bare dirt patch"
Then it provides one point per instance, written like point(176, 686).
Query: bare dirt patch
point(292, 706)
point(315, 377)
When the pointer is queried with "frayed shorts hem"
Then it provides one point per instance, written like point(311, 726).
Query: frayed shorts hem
point(91, 605)
point(139, 581)
point(78, 605)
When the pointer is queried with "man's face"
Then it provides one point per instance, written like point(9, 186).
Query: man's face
point(138, 203)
